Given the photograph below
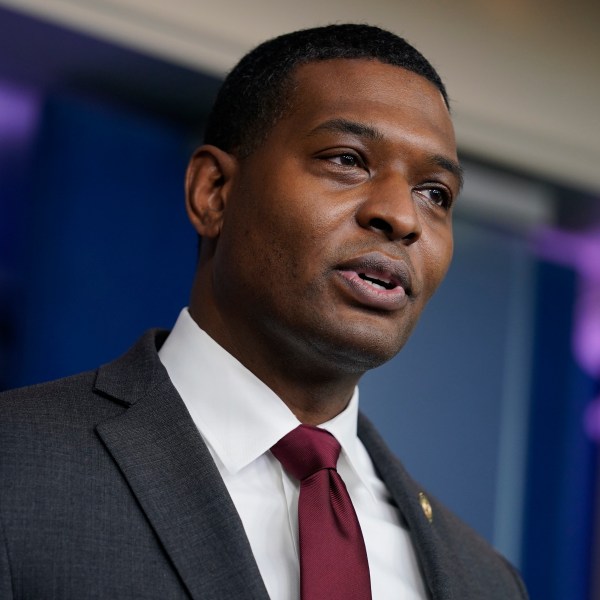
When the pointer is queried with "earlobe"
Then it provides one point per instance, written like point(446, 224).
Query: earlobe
point(207, 183)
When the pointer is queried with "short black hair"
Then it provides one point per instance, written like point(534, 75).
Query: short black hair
point(256, 92)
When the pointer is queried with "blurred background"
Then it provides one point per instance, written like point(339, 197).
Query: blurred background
point(494, 405)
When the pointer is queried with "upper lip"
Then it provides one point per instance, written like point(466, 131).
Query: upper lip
point(381, 266)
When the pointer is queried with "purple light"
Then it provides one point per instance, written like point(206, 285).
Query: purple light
point(592, 420)
point(19, 115)
point(19, 112)
point(586, 334)
point(581, 251)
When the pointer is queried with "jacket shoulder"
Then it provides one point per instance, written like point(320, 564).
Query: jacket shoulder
point(473, 556)
point(94, 393)
point(41, 401)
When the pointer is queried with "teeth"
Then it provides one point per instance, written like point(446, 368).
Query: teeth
point(378, 282)
point(377, 278)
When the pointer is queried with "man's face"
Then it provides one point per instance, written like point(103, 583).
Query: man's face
point(337, 229)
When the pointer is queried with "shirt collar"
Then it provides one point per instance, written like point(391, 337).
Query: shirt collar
point(239, 416)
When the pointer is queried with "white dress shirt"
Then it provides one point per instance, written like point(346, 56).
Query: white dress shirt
point(240, 418)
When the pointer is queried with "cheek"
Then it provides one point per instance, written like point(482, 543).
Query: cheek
point(297, 229)
point(266, 240)
point(437, 258)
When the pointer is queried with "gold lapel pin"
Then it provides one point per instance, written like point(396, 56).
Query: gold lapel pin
point(426, 506)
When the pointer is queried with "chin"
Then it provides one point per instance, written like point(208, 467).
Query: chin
point(361, 349)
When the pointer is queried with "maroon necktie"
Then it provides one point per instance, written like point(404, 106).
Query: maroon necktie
point(333, 559)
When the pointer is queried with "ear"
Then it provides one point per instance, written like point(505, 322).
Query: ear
point(207, 184)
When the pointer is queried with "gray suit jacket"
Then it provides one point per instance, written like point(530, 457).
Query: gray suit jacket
point(108, 491)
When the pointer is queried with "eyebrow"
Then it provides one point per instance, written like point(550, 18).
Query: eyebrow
point(449, 165)
point(371, 133)
point(345, 126)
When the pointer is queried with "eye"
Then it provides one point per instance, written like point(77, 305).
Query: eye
point(343, 165)
point(346, 159)
point(437, 195)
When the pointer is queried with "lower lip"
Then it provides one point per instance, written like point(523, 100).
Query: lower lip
point(368, 295)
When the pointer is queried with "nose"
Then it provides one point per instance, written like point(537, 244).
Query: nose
point(390, 209)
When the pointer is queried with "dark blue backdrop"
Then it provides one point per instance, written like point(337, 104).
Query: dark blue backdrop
point(559, 509)
point(110, 251)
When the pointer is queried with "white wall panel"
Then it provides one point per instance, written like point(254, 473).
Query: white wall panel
point(524, 75)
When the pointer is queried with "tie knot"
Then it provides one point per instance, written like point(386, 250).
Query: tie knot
point(306, 450)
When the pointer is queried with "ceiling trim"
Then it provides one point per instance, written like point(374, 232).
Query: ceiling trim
point(548, 134)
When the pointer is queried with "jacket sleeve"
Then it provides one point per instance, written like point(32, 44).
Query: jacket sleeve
point(6, 591)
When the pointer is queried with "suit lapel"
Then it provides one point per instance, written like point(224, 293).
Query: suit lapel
point(428, 544)
point(169, 469)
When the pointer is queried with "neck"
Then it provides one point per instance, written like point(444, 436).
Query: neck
point(312, 388)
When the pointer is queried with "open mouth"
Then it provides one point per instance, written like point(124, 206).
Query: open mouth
point(378, 282)
point(379, 290)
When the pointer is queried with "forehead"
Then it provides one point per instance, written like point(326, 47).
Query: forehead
point(372, 91)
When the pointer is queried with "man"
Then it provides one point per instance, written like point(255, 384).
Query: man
point(323, 197)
